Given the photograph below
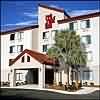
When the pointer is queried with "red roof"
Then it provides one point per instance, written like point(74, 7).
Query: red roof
point(96, 14)
point(42, 58)
point(52, 8)
point(19, 29)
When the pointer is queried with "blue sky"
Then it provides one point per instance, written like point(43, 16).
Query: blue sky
point(22, 13)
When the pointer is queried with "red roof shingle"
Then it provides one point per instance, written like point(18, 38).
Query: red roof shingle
point(42, 58)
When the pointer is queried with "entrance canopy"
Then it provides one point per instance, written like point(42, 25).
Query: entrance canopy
point(42, 58)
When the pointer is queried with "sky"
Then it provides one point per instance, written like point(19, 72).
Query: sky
point(22, 13)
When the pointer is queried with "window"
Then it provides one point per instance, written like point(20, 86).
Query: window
point(19, 76)
point(85, 24)
point(12, 36)
point(44, 48)
point(86, 39)
point(45, 35)
point(53, 32)
point(89, 56)
point(87, 75)
point(19, 48)
point(12, 49)
point(28, 59)
point(73, 26)
point(20, 35)
point(22, 59)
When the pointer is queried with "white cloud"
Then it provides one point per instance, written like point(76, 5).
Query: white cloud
point(20, 23)
point(32, 15)
point(81, 12)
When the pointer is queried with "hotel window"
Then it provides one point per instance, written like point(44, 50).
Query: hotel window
point(87, 75)
point(45, 35)
point(12, 49)
point(20, 35)
point(89, 56)
point(28, 59)
point(19, 76)
point(53, 32)
point(85, 24)
point(12, 36)
point(73, 26)
point(19, 48)
point(44, 48)
point(22, 59)
point(86, 39)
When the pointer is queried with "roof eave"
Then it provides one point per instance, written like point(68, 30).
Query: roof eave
point(79, 17)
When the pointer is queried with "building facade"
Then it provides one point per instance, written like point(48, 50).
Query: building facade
point(15, 68)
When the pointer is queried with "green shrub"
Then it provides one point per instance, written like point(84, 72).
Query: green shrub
point(91, 84)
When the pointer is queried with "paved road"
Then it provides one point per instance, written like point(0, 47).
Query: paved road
point(22, 94)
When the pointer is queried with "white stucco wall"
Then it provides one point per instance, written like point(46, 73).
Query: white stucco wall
point(42, 13)
point(4, 57)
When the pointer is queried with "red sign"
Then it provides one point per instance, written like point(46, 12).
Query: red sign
point(49, 20)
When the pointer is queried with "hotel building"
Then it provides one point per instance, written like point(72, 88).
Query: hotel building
point(23, 50)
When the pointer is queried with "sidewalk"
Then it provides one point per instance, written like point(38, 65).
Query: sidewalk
point(84, 90)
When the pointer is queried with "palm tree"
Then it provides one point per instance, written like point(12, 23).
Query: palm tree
point(70, 49)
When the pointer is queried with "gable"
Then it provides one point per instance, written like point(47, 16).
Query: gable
point(27, 63)
point(41, 58)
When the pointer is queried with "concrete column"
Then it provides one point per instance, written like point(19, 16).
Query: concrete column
point(42, 76)
point(70, 75)
point(54, 76)
point(13, 78)
point(57, 78)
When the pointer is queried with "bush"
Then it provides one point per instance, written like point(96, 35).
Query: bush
point(17, 84)
point(60, 83)
point(91, 84)
point(25, 82)
point(5, 83)
point(74, 87)
point(79, 85)
point(65, 87)
point(85, 84)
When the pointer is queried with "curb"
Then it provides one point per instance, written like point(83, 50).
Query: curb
point(84, 91)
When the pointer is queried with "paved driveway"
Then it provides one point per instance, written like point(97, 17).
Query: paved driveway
point(22, 94)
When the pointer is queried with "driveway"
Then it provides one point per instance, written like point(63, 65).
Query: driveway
point(12, 94)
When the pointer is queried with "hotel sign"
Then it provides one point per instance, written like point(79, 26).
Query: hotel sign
point(49, 21)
